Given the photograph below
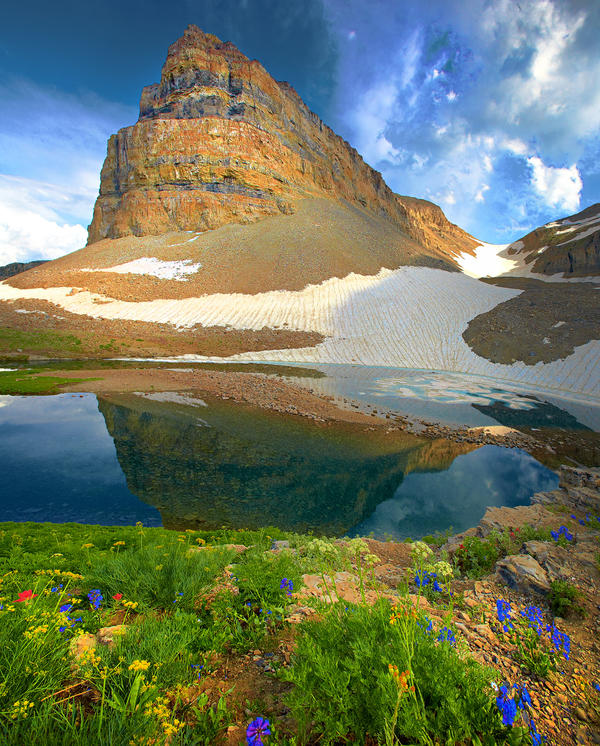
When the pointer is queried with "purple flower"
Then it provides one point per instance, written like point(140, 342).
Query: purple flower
point(258, 728)
point(65, 607)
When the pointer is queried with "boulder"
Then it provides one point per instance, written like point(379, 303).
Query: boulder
point(523, 573)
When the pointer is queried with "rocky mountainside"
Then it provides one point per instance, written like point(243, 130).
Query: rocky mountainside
point(219, 141)
point(230, 208)
point(570, 246)
point(15, 268)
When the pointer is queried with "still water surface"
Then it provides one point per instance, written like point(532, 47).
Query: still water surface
point(187, 463)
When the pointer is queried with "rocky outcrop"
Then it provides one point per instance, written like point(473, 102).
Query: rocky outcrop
point(218, 140)
point(570, 246)
point(522, 573)
point(15, 268)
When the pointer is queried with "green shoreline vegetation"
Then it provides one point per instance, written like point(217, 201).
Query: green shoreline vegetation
point(195, 606)
point(26, 381)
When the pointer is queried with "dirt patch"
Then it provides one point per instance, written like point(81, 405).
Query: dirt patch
point(45, 325)
point(544, 323)
point(323, 239)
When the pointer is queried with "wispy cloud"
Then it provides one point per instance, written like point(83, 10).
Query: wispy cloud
point(52, 146)
point(497, 92)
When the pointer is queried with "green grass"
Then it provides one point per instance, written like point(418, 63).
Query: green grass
point(27, 382)
point(477, 557)
point(14, 339)
point(194, 608)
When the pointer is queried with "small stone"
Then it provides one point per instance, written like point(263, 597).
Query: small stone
point(106, 635)
point(80, 644)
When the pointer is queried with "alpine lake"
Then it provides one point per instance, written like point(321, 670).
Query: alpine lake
point(181, 461)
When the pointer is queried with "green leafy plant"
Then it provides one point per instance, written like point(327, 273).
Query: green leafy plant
point(564, 599)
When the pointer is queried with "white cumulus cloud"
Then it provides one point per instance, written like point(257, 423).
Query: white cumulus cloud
point(30, 222)
point(559, 187)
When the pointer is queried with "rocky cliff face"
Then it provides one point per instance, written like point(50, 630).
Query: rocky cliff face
point(219, 141)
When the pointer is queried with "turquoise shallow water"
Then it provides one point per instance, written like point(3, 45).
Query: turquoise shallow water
point(184, 464)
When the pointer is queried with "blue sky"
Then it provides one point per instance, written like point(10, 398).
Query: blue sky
point(490, 109)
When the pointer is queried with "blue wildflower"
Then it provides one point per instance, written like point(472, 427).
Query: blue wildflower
point(258, 728)
point(447, 635)
point(535, 618)
point(428, 629)
point(288, 586)
point(504, 611)
point(536, 738)
point(560, 640)
point(95, 598)
point(506, 705)
point(596, 686)
point(524, 698)
point(199, 667)
point(65, 607)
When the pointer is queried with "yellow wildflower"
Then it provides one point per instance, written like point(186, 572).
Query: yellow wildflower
point(138, 665)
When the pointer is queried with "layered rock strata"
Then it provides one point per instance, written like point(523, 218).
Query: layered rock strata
point(218, 140)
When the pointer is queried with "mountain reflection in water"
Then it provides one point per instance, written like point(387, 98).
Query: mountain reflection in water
point(230, 465)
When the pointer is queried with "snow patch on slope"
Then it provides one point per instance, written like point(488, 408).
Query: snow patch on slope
point(487, 262)
point(147, 265)
point(412, 317)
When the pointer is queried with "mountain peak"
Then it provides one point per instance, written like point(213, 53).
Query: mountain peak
point(219, 141)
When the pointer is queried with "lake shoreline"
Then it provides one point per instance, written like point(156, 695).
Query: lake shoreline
point(552, 447)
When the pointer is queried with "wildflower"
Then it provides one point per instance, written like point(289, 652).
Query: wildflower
point(119, 544)
point(596, 686)
point(559, 640)
point(429, 626)
point(139, 665)
point(118, 596)
point(25, 596)
point(504, 610)
point(258, 728)
point(535, 618)
point(562, 531)
point(56, 589)
point(95, 598)
point(288, 586)
point(65, 608)
point(199, 667)
point(421, 550)
point(447, 635)
point(506, 705)
point(536, 739)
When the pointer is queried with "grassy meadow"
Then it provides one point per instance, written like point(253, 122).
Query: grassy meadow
point(201, 616)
